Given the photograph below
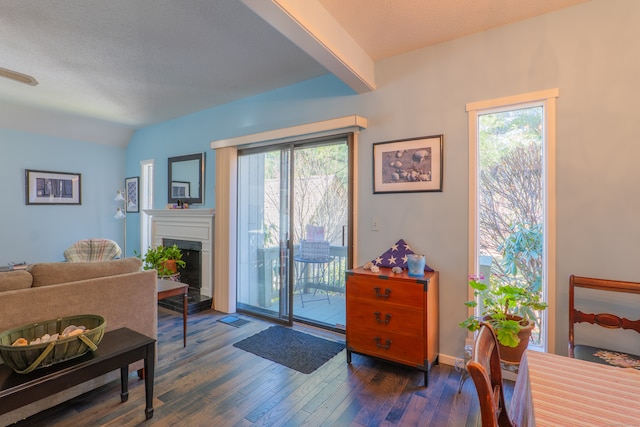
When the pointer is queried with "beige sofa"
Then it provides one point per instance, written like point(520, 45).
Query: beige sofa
point(118, 290)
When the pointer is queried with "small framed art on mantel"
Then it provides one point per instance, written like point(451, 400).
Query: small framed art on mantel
point(52, 188)
point(408, 165)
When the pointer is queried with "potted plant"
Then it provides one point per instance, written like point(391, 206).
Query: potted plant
point(509, 309)
point(164, 259)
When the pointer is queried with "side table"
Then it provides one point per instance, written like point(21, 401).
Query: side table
point(170, 288)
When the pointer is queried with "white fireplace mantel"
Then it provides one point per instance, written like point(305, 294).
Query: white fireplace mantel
point(187, 224)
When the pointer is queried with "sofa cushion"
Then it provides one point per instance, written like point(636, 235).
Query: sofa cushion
point(14, 280)
point(51, 273)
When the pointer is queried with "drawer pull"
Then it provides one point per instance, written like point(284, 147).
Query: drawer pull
point(385, 346)
point(387, 318)
point(387, 293)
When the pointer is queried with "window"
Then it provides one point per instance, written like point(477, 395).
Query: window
point(512, 197)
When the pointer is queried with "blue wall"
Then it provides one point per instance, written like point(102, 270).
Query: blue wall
point(36, 233)
point(309, 101)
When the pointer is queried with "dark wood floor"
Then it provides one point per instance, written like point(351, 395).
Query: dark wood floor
point(212, 383)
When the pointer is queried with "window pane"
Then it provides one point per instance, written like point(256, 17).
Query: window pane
point(511, 200)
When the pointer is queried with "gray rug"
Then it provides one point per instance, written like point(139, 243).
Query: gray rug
point(293, 349)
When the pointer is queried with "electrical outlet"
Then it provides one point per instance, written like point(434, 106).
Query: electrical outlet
point(375, 224)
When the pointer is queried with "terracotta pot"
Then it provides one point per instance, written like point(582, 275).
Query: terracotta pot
point(514, 354)
point(171, 265)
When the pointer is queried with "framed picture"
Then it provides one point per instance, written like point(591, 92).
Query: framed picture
point(180, 189)
point(52, 188)
point(131, 187)
point(408, 165)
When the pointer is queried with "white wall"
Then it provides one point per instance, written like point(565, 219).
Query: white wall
point(589, 52)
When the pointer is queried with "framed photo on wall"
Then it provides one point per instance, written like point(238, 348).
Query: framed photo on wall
point(131, 187)
point(52, 188)
point(180, 189)
point(408, 165)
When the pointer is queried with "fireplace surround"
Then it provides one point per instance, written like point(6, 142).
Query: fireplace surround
point(193, 228)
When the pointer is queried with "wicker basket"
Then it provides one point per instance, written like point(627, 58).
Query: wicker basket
point(24, 359)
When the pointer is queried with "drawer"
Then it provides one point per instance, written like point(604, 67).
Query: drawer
point(405, 293)
point(384, 317)
point(398, 348)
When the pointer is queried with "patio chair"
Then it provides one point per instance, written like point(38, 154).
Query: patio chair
point(311, 268)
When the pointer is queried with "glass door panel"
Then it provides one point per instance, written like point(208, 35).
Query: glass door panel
point(263, 233)
point(320, 232)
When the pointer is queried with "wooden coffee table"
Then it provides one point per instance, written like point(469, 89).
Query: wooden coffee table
point(117, 350)
point(170, 288)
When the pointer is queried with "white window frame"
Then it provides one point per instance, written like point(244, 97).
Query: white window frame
point(547, 99)
point(146, 202)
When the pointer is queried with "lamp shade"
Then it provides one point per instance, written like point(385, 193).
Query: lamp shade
point(119, 214)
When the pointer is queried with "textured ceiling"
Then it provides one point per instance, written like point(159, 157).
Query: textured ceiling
point(143, 61)
point(130, 63)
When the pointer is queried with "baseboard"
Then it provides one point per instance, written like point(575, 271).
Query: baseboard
point(445, 359)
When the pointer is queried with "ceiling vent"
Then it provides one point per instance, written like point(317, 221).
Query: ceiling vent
point(19, 77)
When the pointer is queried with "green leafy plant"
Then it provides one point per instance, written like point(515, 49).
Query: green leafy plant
point(505, 307)
point(156, 259)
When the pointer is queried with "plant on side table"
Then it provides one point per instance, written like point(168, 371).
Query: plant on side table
point(164, 259)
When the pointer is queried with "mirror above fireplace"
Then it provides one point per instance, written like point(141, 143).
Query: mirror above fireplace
point(186, 179)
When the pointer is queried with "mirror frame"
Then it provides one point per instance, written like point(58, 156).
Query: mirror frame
point(171, 161)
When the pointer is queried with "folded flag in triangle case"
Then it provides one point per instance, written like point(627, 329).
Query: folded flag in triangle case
point(396, 256)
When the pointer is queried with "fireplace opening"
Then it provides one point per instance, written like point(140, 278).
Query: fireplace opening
point(191, 274)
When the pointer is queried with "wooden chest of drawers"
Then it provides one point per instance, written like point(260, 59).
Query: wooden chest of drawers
point(393, 317)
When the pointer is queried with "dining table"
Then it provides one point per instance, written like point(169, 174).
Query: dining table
point(554, 390)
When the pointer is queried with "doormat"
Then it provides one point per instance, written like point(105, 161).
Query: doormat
point(293, 349)
point(233, 321)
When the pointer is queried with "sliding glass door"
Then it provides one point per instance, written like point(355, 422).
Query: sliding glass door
point(294, 231)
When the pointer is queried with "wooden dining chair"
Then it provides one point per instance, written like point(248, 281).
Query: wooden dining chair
point(486, 372)
point(605, 320)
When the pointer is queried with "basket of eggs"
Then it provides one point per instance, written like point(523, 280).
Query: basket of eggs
point(45, 343)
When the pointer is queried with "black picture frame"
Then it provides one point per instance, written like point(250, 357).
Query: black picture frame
point(186, 169)
point(131, 186)
point(408, 165)
point(52, 188)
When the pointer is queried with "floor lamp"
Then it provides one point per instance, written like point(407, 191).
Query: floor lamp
point(121, 196)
